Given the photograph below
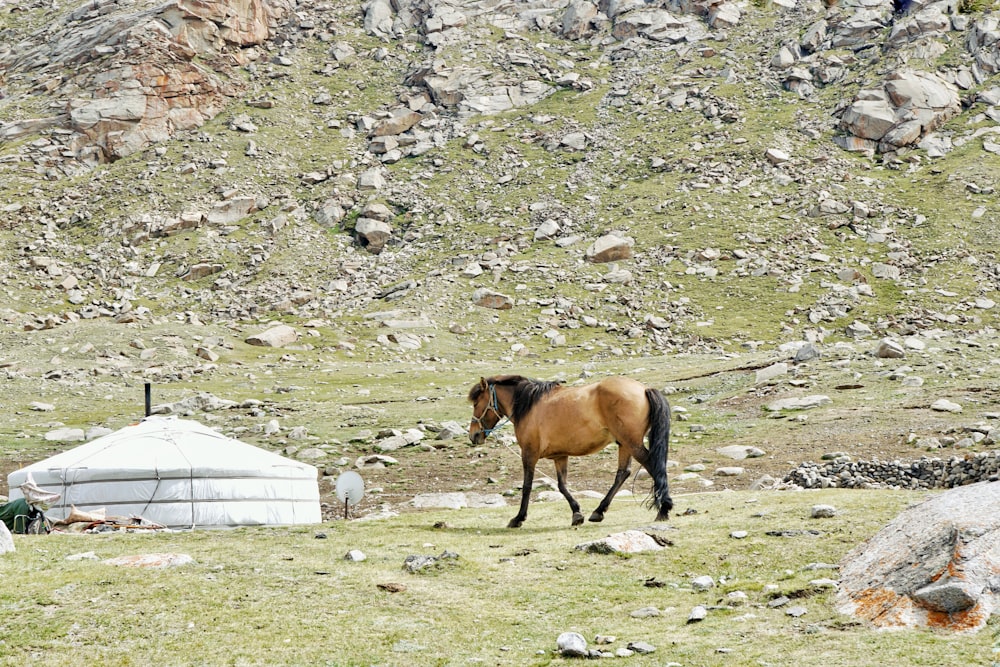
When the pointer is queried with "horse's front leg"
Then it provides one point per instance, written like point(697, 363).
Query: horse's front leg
point(528, 463)
point(562, 466)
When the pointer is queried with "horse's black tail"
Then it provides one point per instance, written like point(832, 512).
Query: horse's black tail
point(659, 437)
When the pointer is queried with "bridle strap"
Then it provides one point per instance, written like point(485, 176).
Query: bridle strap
point(494, 405)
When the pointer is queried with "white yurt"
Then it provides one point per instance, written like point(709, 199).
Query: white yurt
point(178, 473)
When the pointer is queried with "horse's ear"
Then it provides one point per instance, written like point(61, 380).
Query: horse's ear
point(482, 383)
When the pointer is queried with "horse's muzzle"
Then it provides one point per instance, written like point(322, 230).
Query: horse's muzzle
point(478, 438)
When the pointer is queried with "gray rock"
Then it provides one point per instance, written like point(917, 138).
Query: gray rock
point(630, 541)
point(457, 500)
point(702, 583)
point(641, 647)
point(645, 612)
point(277, 336)
point(487, 298)
point(699, 613)
point(938, 556)
point(769, 373)
point(355, 556)
point(823, 511)
point(416, 563)
point(889, 349)
point(740, 452)
point(450, 430)
point(66, 434)
point(610, 248)
point(571, 644)
point(373, 234)
point(802, 403)
point(375, 461)
point(807, 352)
point(944, 405)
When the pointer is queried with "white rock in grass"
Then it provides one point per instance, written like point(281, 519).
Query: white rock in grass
point(823, 511)
point(944, 405)
point(572, 644)
point(628, 542)
point(6, 539)
point(699, 613)
point(276, 336)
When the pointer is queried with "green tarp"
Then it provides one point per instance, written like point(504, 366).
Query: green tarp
point(17, 515)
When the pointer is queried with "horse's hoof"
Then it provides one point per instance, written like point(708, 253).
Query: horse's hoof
point(577, 518)
point(515, 523)
point(597, 517)
point(663, 516)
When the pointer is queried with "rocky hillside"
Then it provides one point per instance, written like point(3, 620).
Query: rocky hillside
point(634, 176)
point(487, 181)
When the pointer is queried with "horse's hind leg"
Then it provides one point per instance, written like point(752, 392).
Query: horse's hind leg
point(624, 459)
point(562, 466)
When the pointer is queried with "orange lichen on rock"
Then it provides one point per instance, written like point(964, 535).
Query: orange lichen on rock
point(962, 621)
point(882, 607)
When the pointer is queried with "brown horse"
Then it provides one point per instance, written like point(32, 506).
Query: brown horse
point(552, 421)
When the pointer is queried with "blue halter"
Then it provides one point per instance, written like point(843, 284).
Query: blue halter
point(495, 407)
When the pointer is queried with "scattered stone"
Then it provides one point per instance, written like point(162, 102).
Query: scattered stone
point(944, 405)
point(572, 645)
point(66, 434)
point(355, 556)
point(702, 583)
point(641, 647)
point(610, 248)
point(771, 372)
point(889, 349)
point(740, 452)
point(457, 500)
point(802, 403)
point(628, 542)
point(391, 587)
point(487, 298)
point(699, 613)
point(276, 336)
point(645, 612)
point(153, 561)
point(419, 563)
point(823, 511)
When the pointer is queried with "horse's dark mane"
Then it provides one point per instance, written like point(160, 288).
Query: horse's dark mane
point(527, 392)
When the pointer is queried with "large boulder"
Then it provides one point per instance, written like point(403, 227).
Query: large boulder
point(905, 109)
point(934, 565)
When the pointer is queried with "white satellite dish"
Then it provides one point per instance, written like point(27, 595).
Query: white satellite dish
point(350, 488)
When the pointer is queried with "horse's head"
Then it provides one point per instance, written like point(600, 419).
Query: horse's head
point(485, 411)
